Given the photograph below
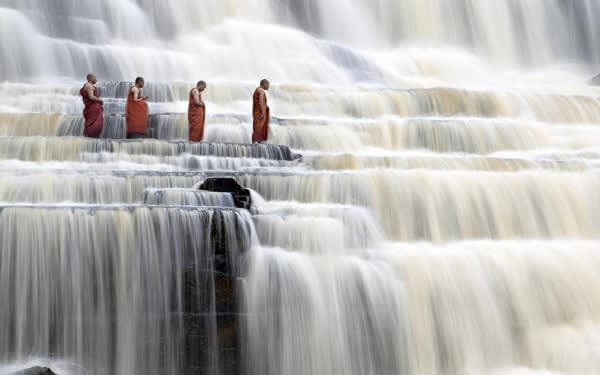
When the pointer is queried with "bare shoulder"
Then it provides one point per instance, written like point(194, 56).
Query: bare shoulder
point(134, 89)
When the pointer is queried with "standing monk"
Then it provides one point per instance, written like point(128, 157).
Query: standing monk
point(93, 113)
point(136, 111)
point(197, 112)
point(260, 113)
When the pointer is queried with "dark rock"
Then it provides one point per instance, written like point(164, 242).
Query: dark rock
point(35, 371)
point(241, 196)
point(595, 81)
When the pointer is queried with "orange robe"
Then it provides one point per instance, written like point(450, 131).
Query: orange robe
point(196, 118)
point(260, 126)
point(93, 113)
point(137, 116)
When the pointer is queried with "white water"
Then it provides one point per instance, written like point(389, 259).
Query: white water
point(239, 39)
point(443, 220)
point(71, 284)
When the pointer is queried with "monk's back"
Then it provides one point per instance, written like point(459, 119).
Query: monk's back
point(192, 106)
point(196, 119)
point(261, 116)
point(84, 95)
point(256, 100)
point(137, 115)
point(93, 112)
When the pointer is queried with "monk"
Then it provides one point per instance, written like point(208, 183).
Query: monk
point(260, 113)
point(136, 110)
point(93, 112)
point(197, 112)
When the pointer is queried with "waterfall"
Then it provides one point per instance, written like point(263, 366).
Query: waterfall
point(71, 148)
point(188, 197)
point(73, 37)
point(423, 309)
point(427, 202)
point(105, 287)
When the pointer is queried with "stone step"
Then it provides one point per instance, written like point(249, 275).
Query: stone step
point(579, 105)
point(72, 148)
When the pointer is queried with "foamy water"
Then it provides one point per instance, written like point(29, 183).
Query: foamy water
point(443, 218)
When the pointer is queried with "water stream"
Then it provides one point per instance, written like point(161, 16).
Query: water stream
point(427, 203)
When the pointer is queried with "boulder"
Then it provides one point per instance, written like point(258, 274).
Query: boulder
point(241, 196)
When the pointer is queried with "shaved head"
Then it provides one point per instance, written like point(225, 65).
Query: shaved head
point(91, 78)
point(265, 84)
point(139, 81)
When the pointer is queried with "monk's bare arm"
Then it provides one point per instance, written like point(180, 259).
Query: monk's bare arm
point(89, 89)
point(136, 95)
point(197, 100)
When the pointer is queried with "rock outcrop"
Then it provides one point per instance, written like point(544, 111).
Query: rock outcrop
point(241, 196)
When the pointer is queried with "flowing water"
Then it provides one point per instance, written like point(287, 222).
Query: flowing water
point(443, 218)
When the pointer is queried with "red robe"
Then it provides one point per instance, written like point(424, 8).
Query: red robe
point(196, 118)
point(260, 126)
point(93, 113)
point(137, 115)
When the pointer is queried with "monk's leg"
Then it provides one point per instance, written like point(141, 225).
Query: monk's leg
point(94, 122)
point(266, 125)
point(255, 131)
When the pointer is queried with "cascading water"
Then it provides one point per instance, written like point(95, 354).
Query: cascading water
point(443, 218)
point(71, 284)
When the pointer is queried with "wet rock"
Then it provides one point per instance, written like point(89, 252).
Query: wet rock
point(241, 196)
point(35, 371)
